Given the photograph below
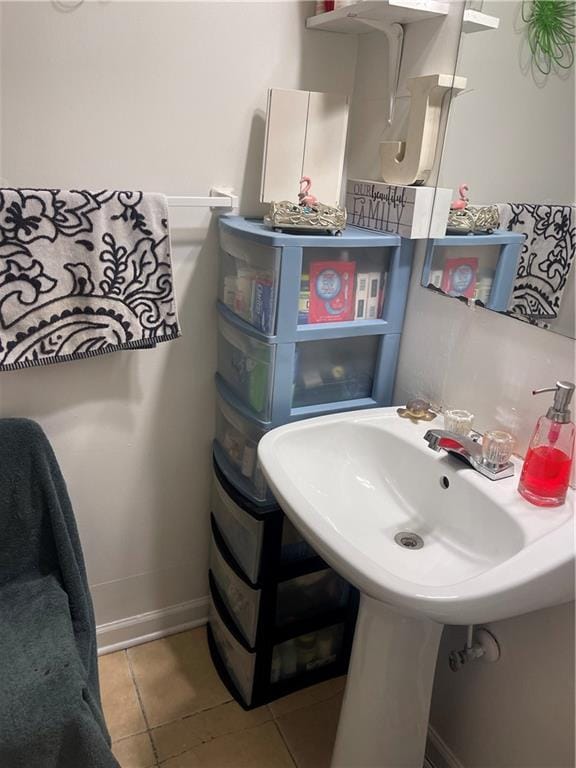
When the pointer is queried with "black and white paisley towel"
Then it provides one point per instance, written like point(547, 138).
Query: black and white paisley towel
point(546, 258)
point(82, 274)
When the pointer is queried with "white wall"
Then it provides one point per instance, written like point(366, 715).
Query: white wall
point(519, 712)
point(167, 97)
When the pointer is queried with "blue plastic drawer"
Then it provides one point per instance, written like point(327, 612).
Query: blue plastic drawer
point(246, 365)
point(334, 370)
point(248, 284)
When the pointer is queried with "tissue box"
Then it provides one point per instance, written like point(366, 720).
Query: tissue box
point(411, 212)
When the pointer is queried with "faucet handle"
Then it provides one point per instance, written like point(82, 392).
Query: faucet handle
point(458, 421)
point(497, 447)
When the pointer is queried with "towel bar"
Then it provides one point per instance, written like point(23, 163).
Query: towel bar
point(219, 198)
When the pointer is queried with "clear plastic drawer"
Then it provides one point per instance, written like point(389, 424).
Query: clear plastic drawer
point(243, 534)
point(240, 663)
point(249, 274)
point(334, 370)
point(342, 285)
point(238, 439)
point(242, 601)
point(292, 658)
point(300, 598)
point(246, 365)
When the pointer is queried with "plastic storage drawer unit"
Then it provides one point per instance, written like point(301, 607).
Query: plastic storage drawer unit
point(249, 274)
point(296, 599)
point(246, 365)
point(237, 439)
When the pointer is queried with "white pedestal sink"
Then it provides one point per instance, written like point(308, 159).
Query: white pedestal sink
point(351, 482)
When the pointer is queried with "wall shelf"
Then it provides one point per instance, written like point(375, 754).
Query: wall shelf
point(386, 16)
point(351, 18)
point(475, 21)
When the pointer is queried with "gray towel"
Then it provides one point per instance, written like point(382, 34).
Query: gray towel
point(50, 714)
point(546, 258)
point(82, 274)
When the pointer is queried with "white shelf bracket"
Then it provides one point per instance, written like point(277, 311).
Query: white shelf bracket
point(395, 35)
point(227, 199)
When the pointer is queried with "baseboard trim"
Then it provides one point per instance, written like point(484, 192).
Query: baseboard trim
point(144, 627)
point(438, 753)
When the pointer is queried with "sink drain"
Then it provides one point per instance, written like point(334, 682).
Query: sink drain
point(409, 540)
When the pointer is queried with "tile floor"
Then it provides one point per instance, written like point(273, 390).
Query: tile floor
point(165, 706)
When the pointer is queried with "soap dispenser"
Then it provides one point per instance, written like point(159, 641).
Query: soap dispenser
point(546, 471)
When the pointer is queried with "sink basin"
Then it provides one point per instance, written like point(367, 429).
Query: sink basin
point(362, 485)
point(350, 482)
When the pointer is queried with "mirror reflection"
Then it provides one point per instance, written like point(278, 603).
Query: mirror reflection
point(509, 157)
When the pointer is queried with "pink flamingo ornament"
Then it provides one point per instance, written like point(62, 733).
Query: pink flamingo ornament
point(304, 198)
point(459, 205)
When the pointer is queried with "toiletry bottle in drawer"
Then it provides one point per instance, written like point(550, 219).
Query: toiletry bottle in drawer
point(546, 471)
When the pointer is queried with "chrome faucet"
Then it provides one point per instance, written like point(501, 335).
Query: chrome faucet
point(487, 458)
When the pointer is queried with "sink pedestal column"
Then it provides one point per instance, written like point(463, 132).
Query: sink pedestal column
point(384, 718)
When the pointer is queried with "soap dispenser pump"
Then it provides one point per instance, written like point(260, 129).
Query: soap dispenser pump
point(546, 471)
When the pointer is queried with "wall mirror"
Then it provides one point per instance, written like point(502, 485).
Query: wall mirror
point(510, 139)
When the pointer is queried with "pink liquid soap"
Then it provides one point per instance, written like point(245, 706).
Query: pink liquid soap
point(545, 476)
